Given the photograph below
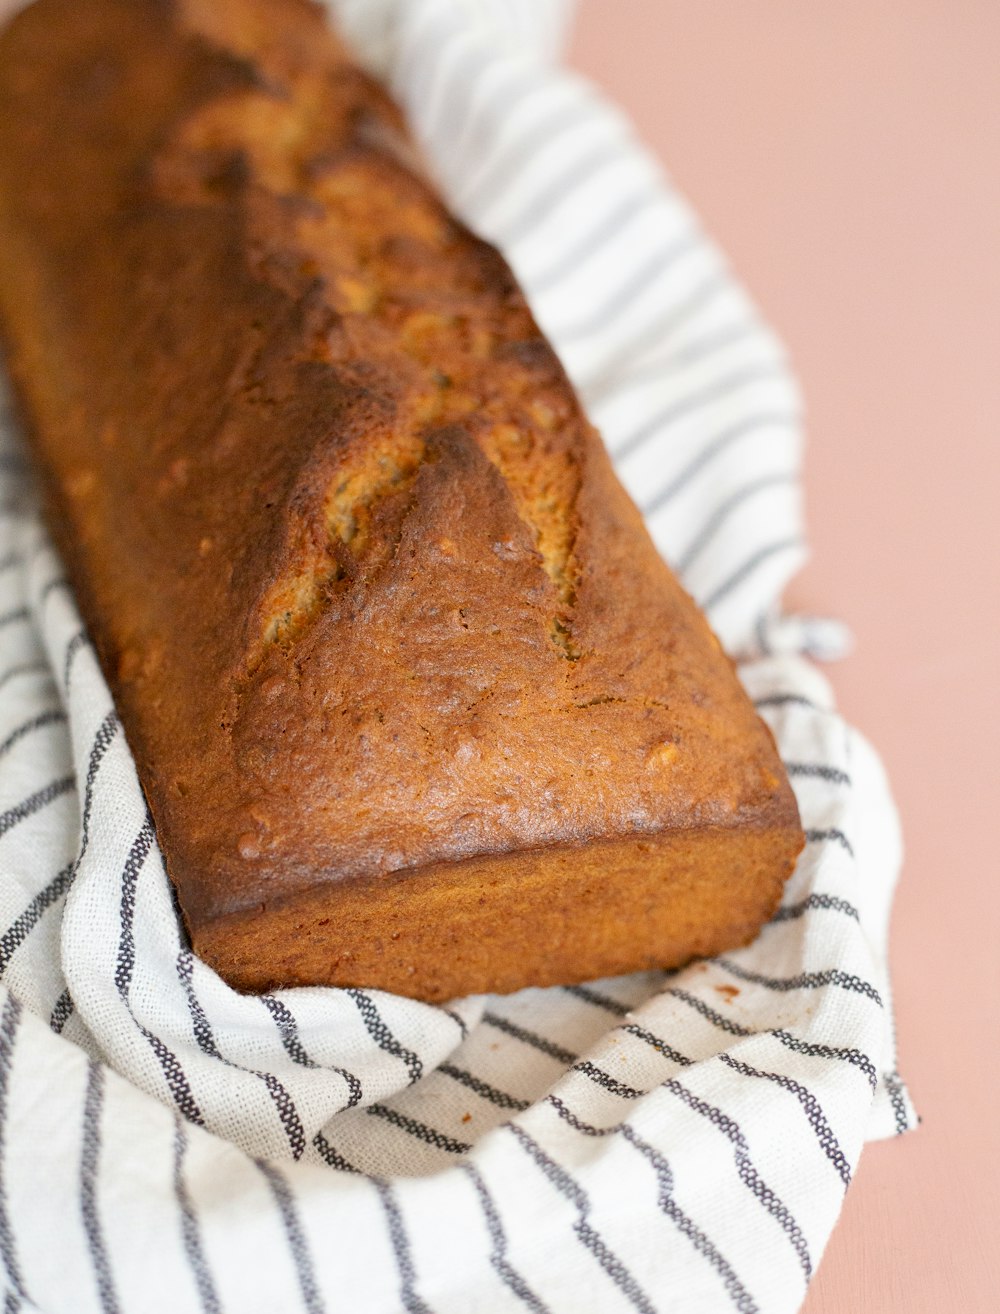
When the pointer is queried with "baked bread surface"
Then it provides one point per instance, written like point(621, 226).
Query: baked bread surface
point(413, 699)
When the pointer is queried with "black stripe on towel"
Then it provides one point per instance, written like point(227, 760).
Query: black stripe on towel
point(686, 559)
point(739, 1295)
point(812, 1050)
point(76, 643)
point(852, 1056)
point(54, 716)
point(820, 771)
point(297, 1243)
point(604, 1079)
point(9, 1022)
point(823, 836)
point(331, 1156)
point(747, 1172)
point(592, 1240)
point(498, 1097)
point(419, 1130)
point(531, 1038)
point(456, 1018)
point(598, 999)
point(25, 668)
point(805, 980)
point(511, 1278)
point(62, 1012)
point(419, 68)
point(569, 262)
point(89, 1160)
point(827, 902)
point(35, 802)
point(810, 1106)
point(655, 1042)
point(687, 352)
point(894, 1086)
point(137, 855)
point(702, 1243)
point(715, 446)
point(22, 926)
point(508, 161)
point(288, 1030)
point(709, 1013)
point(284, 1104)
point(787, 700)
point(50, 586)
point(102, 742)
point(558, 191)
point(578, 1124)
point(190, 1230)
point(690, 404)
point(383, 1037)
point(743, 572)
point(621, 300)
point(170, 1065)
point(400, 1248)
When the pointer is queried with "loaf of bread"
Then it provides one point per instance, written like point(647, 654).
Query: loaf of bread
point(414, 700)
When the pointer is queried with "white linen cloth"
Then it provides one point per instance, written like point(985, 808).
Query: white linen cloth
point(663, 1142)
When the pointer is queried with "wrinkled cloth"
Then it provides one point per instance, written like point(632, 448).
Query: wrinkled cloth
point(661, 1142)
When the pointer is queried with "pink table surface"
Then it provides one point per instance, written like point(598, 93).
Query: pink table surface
point(847, 158)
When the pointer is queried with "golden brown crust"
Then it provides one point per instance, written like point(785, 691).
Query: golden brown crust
point(495, 923)
point(367, 592)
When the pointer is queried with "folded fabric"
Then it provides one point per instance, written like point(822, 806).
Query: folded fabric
point(662, 1142)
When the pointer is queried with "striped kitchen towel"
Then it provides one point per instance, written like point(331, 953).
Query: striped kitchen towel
point(661, 1142)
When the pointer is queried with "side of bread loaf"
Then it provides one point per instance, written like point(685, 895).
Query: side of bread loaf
point(414, 701)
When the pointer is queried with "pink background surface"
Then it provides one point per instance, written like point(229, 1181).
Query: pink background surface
point(847, 158)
